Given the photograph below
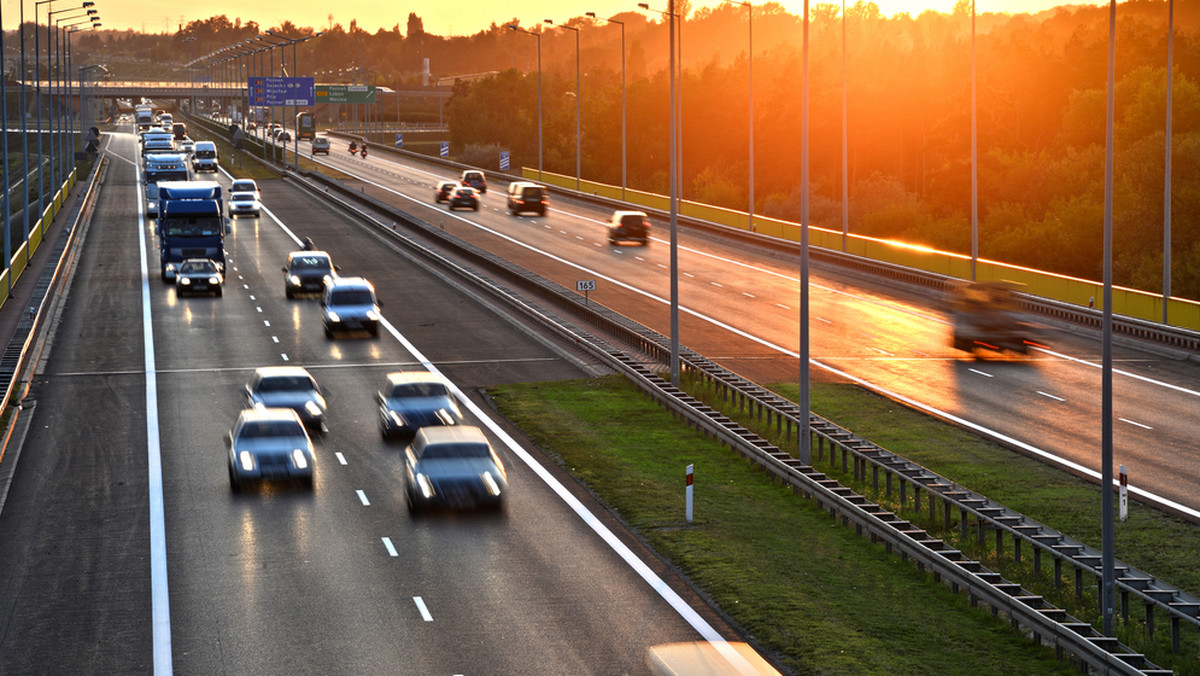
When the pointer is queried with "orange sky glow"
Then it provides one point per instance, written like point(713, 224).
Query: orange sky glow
point(465, 17)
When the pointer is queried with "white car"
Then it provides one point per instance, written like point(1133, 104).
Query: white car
point(453, 467)
point(244, 204)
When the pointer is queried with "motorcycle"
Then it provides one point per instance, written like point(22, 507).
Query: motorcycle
point(364, 152)
point(353, 147)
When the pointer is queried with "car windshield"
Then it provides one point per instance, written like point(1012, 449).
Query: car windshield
point(310, 263)
point(270, 428)
point(419, 390)
point(447, 451)
point(286, 384)
point(352, 297)
point(243, 186)
point(203, 267)
point(242, 196)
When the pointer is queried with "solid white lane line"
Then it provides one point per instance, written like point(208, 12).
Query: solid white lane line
point(387, 542)
point(160, 601)
point(363, 498)
point(421, 607)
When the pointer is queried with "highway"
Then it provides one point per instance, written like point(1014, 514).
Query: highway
point(130, 410)
point(739, 307)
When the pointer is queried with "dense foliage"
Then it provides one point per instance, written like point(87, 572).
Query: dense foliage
point(1041, 110)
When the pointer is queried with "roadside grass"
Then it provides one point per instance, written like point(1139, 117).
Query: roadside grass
point(1160, 544)
point(814, 594)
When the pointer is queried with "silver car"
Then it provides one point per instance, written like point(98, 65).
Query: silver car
point(288, 387)
point(269, 444)
point(199, 275)
point(453, 467)
point(244, 204)
point(413, 399)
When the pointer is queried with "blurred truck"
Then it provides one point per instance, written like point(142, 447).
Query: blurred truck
point(987, 315)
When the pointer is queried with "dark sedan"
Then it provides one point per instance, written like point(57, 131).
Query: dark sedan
point(464, 198)
point(306, 272)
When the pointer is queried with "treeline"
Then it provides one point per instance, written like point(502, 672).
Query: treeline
point(1041, 95)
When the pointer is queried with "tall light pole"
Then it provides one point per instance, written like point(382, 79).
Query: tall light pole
point(57, 165)
point(4, 203)
point(673, 189)
point(66, 148)
point(517, 28)
point(1167, 166)
point(1108, 580)
point(578, 82)
point(974, 156)
point(750, 24)
point(623, 145)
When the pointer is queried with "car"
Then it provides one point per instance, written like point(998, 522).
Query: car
point(441, 193)
point(198, 275)
point(453, 467)
point(287, 387)
point(629, 226)
point(475, 179)
point(245, 185)
point(465, 198)
point(283, 136)
point(269, 444)
point(320, 144)
point(306, 272)
point(186, 145)
point(244, 204)
point(525, 196)
point(349, 304)
point(410, 400)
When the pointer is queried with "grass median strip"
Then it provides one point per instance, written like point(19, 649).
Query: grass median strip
point(821, 598)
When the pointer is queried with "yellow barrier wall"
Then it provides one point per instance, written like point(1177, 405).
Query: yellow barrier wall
point(1126, 302)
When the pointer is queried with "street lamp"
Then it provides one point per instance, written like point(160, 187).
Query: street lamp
point(750, 22)
point(578, 158)
point(66, 146)
point(517, 28)
point(295, 107)
point(623, 155)
point(673, 190)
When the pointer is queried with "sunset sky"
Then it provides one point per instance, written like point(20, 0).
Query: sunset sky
point(464, 17)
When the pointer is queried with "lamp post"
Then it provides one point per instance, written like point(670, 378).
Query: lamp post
point(517, 28)
point(66, 147)
point(4, 147)
point(578, 157)
point(56, 123)
point(750, 24)
point(623, 137)
point(295, 106)
point(673, 190)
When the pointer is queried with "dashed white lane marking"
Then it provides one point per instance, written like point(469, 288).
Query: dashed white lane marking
point(421, 607)
point(1050, 396)
point(362, 497)
point(387, 542)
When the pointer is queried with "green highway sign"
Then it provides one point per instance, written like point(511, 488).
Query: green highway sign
point(345, 93)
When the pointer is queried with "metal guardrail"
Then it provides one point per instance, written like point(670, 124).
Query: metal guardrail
point(565, 312)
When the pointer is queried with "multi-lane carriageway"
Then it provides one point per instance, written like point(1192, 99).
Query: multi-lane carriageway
point(287, 581)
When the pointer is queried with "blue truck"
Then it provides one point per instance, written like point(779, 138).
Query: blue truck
point(191, 224)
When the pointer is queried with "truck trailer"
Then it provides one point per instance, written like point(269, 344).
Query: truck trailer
point(191, 224)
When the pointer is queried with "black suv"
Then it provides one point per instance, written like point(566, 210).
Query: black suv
point(526, 196)
point(629, 226)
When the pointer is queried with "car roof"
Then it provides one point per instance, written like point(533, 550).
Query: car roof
point(405, 377)
point(277, 371)
point(268, 415)
point(620, 214)
point(307, 253)
point(449, 435)
point(350, 283)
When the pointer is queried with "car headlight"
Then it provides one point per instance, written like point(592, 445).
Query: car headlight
point(299, 459)
point(293, 280)
point(445, 416)
point(373, 315)
point(489, 484)
point(333, 316)
point(184, 281)
point(312, 408)
point(214, 280)
point(425, 486)
point(396, 418)
point(246, 460)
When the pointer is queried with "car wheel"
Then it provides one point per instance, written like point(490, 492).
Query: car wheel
point(328, 332)
point(289, 294)
point(476, 207)
point(374, 330)
point(234, 483)
point(220, 293)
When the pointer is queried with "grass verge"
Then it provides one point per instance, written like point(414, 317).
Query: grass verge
point(817, 596)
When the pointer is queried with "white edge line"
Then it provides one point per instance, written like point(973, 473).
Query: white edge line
point(160, 599)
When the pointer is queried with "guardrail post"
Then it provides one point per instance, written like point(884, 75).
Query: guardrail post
point(917, 498)
point(1057, 572)
point(903, 490)
point(999, 543)
point(1078, 583)
point(875, 478)
point(1016, 549)
point(889, 486)
point(1174, 635)
point(1149, 620)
